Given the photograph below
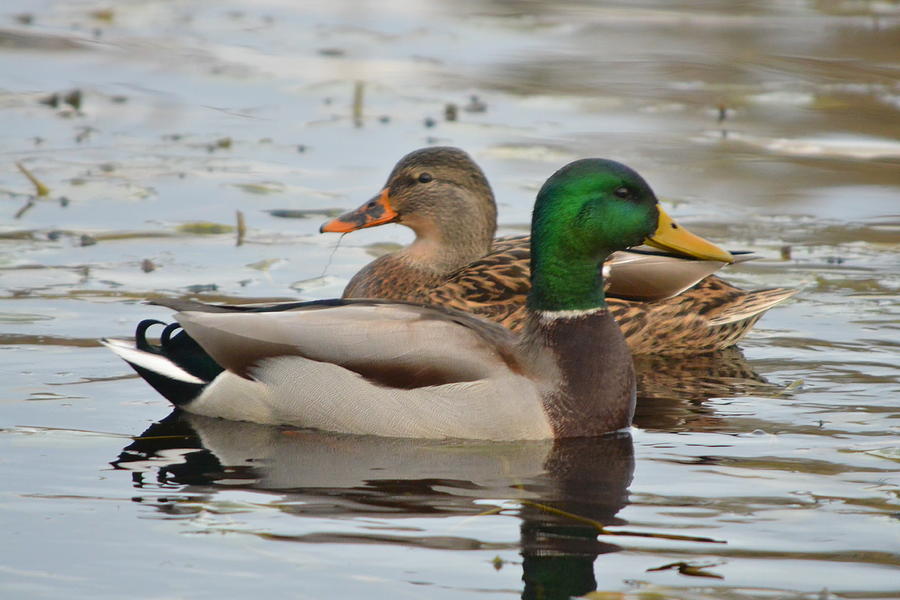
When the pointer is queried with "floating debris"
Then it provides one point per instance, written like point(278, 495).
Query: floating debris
point(475, 105)
point(84, 134)
point(127, 235)
point(148, 266)
point(265, 264)
point(796, 384)
point(52, 100)
point(890, 453)
point(37, 41)
point(241, 228)
point(40, 188)
point(87, 240)
point(497, 563)
point(73, 99)
point(199, 288)
point(334, 52)
point(290, 213)
point(358, 92)
point(28, 205)
point(220, 144)
point(204, 228)
point(602, 530)
point(786, 252)
point(429, 122)
point(261, 188)
point(689, 569)
point(106, 15)
point(451, 112)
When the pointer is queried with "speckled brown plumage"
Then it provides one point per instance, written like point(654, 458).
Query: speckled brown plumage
point(709, 316)
point(455, 262)
point(391, 277)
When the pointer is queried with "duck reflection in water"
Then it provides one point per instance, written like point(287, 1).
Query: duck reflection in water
point(562, 486)
point(673, 392)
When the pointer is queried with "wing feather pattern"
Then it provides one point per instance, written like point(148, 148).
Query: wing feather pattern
point(391, 345)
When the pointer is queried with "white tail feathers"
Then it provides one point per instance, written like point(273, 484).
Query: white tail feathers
point(151, 362)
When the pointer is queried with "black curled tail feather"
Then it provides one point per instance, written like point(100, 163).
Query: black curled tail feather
point(183, 353)
point(180, 349)
point(140, 336)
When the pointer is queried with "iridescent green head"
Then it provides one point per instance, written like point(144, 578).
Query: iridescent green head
point(587, 210)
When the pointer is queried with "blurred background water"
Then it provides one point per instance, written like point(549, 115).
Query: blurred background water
point(771, 126)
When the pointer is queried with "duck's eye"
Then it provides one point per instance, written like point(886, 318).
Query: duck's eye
point(622, 192)
point(425, 177)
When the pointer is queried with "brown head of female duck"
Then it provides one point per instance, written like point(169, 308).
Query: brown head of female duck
point(443, 196)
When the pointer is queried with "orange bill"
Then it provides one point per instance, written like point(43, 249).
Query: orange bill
point(376, 211)
point(671, 236)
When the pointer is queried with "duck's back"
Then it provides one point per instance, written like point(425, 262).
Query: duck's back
point(493, 287)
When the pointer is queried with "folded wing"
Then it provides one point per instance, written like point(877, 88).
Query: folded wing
point(393, 345)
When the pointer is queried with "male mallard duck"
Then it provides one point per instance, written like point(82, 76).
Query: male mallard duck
point(442, 195)
point(403, 370)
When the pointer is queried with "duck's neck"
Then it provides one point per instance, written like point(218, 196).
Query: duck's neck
point(430, 254)
point(570, 323)
point(564, 284)
point(445, 243)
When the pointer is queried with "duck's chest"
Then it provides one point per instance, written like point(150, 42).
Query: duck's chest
point(593, 389)
point(391, 278)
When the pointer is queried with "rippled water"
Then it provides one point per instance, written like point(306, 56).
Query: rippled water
point(769, 472)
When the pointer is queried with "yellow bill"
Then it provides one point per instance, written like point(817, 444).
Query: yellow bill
point(671, 236)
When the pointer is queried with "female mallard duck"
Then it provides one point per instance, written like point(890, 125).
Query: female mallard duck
point(403, 370)
point(455, 262)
